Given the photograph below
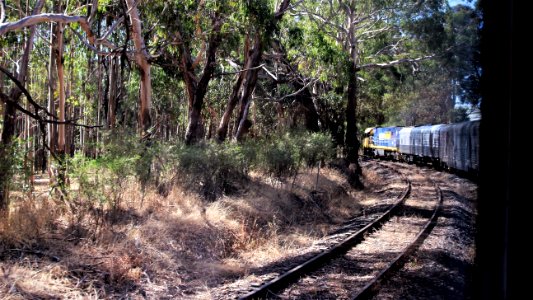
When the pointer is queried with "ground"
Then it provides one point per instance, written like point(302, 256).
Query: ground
point(179, 246)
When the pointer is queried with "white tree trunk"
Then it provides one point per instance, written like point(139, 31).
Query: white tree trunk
point(141, 57)
point(61, 80)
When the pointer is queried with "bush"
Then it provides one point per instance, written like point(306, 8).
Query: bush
point(103, 180)
point(15, 166)
point(284, 155)
point(316, 147)
point(278, 157)
point(211, 169)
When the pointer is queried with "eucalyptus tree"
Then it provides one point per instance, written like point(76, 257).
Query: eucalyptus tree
point(141, 57)
point(64, 15)
point(11, 100)
point(354, 36)
point(262, 23)
point(188, 35)
point(429, 91)
point(463, 25)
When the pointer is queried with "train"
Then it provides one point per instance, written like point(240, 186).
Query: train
point(452, 147)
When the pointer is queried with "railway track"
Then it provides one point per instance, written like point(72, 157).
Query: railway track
point(369, 249)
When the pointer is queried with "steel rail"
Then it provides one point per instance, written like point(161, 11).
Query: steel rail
point(295, 273)
point(372, 287)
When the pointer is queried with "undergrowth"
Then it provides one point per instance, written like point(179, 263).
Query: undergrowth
point(143, 210)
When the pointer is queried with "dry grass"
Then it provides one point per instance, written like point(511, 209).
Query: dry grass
point(160, 247)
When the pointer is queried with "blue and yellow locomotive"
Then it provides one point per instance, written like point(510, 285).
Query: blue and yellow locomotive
point(448, 146)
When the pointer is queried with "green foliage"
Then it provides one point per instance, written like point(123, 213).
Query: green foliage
point(282, 156)
point(211, 170)
point(104, 180)
point(314, 43)
point(315, 147)
point(279, 157)
point(92, 179)
point(15, 167)
point(260, 14)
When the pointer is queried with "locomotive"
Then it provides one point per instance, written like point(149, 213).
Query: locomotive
point(445, 146)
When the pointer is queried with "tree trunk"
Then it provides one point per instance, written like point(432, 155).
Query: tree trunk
point(195, 91)
point(52, 128)
point(248, 86)
point(242, 89)
point(141, 57)
point(6, 154)
point(244, 124)
point(61, 87)
point(222, 130)
point(61, 132)
point(245, 85)
point(112, 92)
point(306, 100)
point(351, 142)
point(9, 118)
point(99, 98)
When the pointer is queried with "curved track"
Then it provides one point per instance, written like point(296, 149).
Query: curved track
point(410, 208)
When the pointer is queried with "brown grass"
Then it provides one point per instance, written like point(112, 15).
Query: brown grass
point(158, 246)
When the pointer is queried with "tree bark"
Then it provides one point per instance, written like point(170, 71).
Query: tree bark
point(2, 11)
point(61, 87)
point(52, 128)
point(6, 154)
point(197, 91)
point(112, 93)
point(41, 18)
point(222, 130)
point(248, 85)
point(351, 142)
point(141, 57)
point(9, 117)
point(306, 100)
point(245, 85)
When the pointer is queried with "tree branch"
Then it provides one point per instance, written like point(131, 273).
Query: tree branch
point(5, 98)
point(236, 72)
point(2, 11)
point(270, 73)
point(94, 8)
point(37, 107)
point(284, 6)
point(41, 18)
point(297, 92)
point(25, 92)
point(115, 50)
point(395, 62)
point(111, 29)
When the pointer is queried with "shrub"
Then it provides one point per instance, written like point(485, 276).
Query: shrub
point(278, 157)
point(15, 166)
point(210, 169)
point(316, 147)
point(103, 180)
point(284, 155)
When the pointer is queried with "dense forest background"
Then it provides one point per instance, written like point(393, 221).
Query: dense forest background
point(157, 147)
point(200, 92)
